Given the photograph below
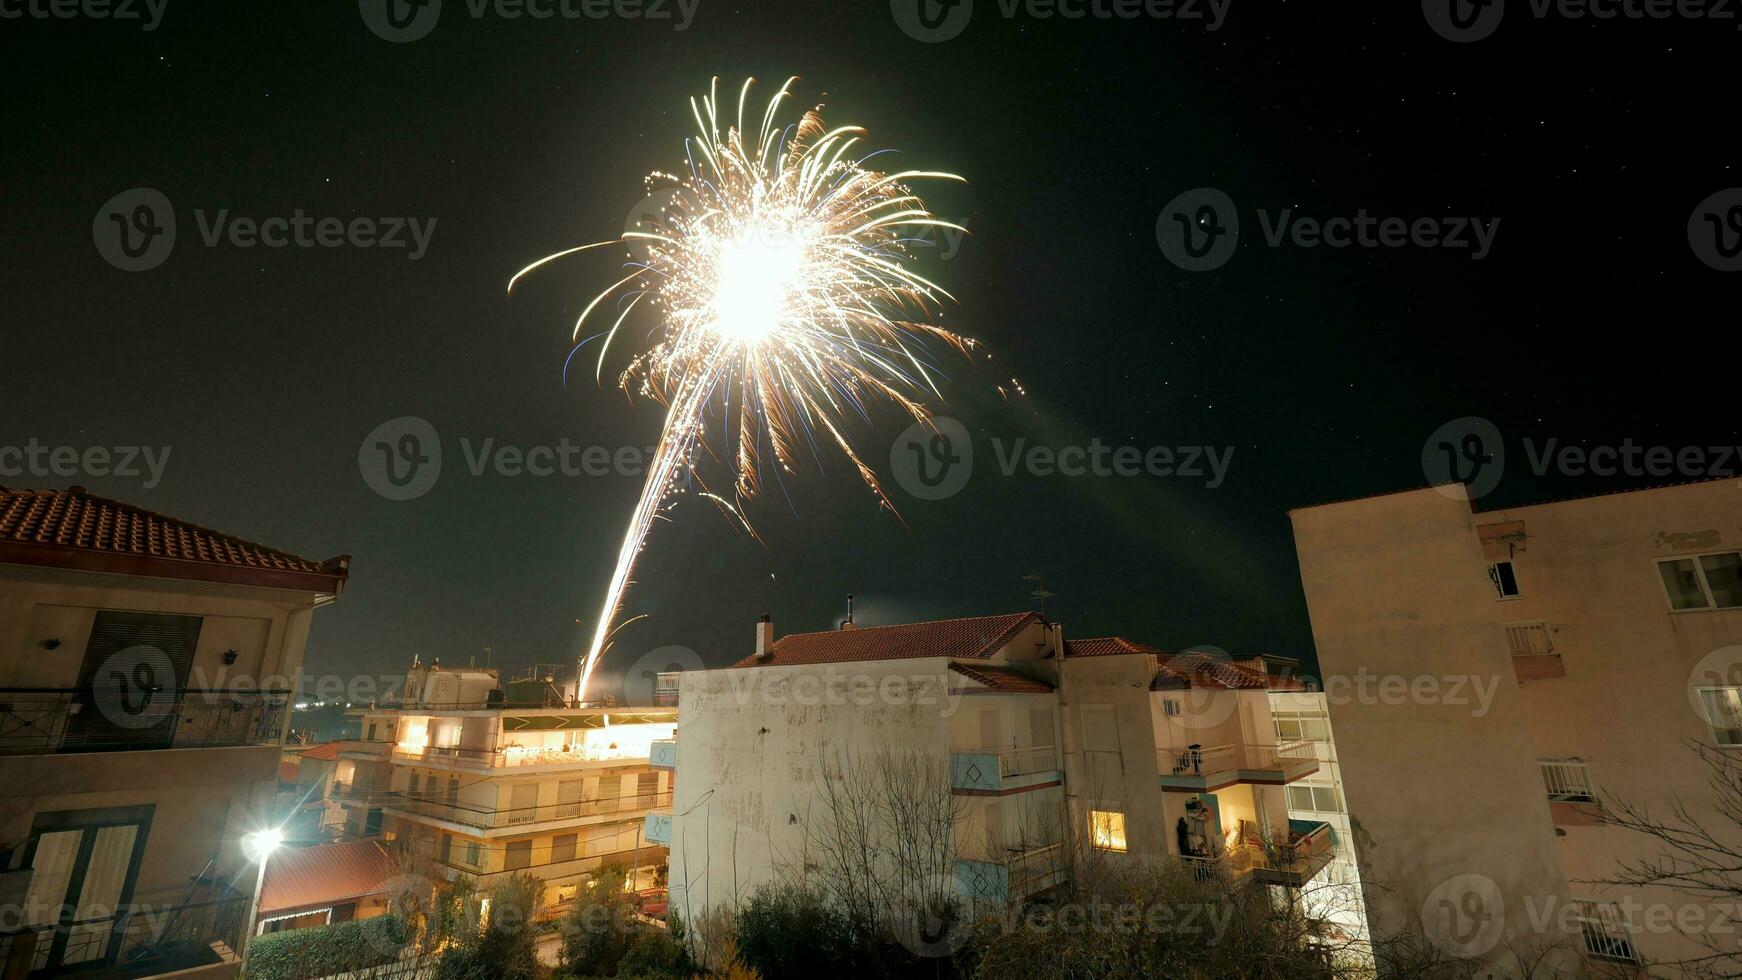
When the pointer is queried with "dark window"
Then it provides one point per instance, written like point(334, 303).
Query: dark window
point(1505, 579)
point(562, 848)
point(519, 854)
point(135, 667)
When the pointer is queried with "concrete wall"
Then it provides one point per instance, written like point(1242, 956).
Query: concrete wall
point(1442, 796)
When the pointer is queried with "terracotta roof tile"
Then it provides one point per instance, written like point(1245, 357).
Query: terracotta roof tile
point(1002, 680)
point(966, 639)
point(1187, 669)
point(76, 529)
point(325, 751)
point(326, 874)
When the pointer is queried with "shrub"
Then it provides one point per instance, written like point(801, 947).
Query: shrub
point(599, 930)
point(658, 953)
point(342, 947)
point(506, 948)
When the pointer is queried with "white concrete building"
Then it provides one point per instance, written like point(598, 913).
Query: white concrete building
point(1049, 749)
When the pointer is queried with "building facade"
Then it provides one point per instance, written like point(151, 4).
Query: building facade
point(1535, 670)
point(486, 781)
point(146, 667)
point(1048, 752)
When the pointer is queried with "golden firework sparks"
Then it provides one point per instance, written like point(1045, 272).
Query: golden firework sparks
point(780, 273)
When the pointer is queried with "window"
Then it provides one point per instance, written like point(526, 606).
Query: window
point(568, 798)
point(1567, 781)
point(453, 791)
point(1723, 710)
point(1505, 579)
point(1319, 799)
point(647, 786)
point(1294, 727)
point(474, 854)
point(1170, 707)
point(416, 778)
point(1107, 830)
point(523, 803)
point(1606, 933)
point(370, 737)
point(519, 855)
point(562, 848)
point(1703, 581)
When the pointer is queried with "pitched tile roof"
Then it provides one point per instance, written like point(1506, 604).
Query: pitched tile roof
point(325, 751)
point(326, 874)
point(1002, 680)
point(1187, 669)
point(74, 528)
point(969, 639)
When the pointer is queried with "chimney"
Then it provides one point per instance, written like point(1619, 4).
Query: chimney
point(765, 637)
point(848, 624)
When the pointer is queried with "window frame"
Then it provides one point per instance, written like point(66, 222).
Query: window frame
point(1699, 576)
point(1494, 579)
point(1590, 793)
point(1123, 846)
point(1621, 935)
point(1711, 728)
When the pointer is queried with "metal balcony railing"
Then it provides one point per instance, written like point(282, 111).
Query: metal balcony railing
point(491, 818)
point(42, 720)
point(1021, 761)
point(509, 756)
point(1206, 759)
point(141, 941)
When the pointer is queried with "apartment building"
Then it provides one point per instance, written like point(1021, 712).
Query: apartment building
point(1557, 659)
point(1050, 749)
point(1334, 898)
point(146, 666)
point(487, 780)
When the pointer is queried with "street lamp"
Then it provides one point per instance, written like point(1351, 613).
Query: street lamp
point(258, 847)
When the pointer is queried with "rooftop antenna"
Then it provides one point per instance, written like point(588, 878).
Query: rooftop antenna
point(849, 621)
point(1040, 593)
point(489, 655)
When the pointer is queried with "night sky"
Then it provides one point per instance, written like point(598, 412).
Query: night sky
point(1591, 320)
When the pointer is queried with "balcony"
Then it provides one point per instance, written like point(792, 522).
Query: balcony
point(37, 721)
point(663, 755)
point(1291, 863)
point(143, 941)
point(512, 756)
point(476, 818)
point(656, 828)
point(1534, 657)
point(1206, 768)
point(1023, 874)
point(1000, 771)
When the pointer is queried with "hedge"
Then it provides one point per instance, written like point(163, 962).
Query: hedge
point(343, 947)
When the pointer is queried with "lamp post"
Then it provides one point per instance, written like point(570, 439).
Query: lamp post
point(258, 847)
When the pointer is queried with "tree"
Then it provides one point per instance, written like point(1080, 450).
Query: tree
point(504, 945)
point(599, 930)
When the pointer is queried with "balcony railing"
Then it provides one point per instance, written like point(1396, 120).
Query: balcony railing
point(997, 769)
point(491, 818)
point(142, 941)
point(510, 756)
point(42, 720)
point(1203, 767)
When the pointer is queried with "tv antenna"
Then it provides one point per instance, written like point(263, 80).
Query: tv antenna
point(1040, 594)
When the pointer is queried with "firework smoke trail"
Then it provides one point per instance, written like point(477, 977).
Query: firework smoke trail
point(779, 274)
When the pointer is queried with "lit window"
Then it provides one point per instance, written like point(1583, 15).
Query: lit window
point(1723, 708)
point(1107, 829)
point(1316, 799)
point(1606, 933)
point(1703, 581)
point(1505, 579)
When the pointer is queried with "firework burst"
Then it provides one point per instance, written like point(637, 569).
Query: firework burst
point(780, 283)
